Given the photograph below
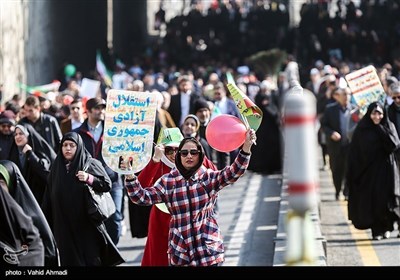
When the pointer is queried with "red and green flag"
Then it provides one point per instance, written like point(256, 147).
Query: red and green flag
point(102, 69)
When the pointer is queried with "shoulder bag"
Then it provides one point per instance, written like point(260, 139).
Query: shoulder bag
point(100, 205)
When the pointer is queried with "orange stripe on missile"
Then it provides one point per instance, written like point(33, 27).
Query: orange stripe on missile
point(293, 120)
point(301, 187)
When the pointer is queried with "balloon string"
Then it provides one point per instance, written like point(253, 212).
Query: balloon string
point(246, 123)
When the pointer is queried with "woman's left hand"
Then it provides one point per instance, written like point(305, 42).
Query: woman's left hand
point(26, 148)
point(82, 176)
point(250, 140)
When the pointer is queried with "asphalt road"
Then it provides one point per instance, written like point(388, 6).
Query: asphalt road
point(248, 213)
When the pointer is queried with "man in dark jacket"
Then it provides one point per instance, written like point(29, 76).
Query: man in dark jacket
point(182, 104)
point(7, 126)
point(46, 125)
point(394, 113)
point(394, 108)
point(76, 117)
point(338, 126)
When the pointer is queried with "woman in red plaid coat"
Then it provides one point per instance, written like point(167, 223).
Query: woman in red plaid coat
point(155, 251)
point(189, 192)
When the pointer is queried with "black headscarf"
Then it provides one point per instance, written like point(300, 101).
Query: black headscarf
point(187, 173)
point(82, 156)
point(20, 241)
point(366, 120)
point(41, 155)
point(22, 194)
point(61, 184)
point(372, 174)
point(37, 142)
point(65, 206)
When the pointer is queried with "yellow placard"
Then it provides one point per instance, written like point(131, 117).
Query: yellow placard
point(129, 129)
point(365, 87)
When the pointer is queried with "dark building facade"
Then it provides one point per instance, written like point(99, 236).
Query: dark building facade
point(79, 28)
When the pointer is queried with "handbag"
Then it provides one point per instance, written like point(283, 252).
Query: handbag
point(100, 205)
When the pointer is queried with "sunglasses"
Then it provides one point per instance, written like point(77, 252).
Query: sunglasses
point(395, 97)
point(170, 150)
point(193, 152)
point(73, 108)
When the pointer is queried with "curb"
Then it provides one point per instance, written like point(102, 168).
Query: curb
point(280, 246)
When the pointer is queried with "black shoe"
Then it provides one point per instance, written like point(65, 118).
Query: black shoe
point(324, 168)
point(337, 197)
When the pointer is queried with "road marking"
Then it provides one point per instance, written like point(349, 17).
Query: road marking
point(233, 257)
point(363, 242)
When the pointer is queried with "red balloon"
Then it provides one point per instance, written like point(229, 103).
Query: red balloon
point(225, 133)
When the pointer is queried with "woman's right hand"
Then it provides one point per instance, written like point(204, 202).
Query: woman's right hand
point(122, 163)
point(82, 176)
point(158, 152)
point(123, 166)
point(26, 148)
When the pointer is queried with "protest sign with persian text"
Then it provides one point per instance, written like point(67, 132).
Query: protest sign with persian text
point(129, 129)
point(365, 87)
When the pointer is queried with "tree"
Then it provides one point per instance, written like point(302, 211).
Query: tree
point(267, 62)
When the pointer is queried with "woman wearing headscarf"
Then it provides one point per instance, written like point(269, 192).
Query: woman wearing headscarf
point(373, 174)
point(267, 157)
point(20, 191)
point(81, 242)
point(20, 241)
point(155, 251)
point(188, 192)
point(190, 128)
point(33, 156)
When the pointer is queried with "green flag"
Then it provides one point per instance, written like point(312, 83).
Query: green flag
point(250, 112)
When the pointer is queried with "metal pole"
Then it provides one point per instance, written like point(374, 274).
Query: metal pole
point(110, 11)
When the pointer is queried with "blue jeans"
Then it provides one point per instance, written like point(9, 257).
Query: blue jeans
point(113, 223)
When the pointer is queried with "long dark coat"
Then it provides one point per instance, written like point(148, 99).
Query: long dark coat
point(22, 194)
point(80, 242)
point(37, 164)
point(373, 173)
point(20, 241)
point(267, 154)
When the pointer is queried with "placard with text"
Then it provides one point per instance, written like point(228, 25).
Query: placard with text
point(365, 87)
point(129, 129)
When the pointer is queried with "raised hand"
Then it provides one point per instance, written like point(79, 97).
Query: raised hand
point(250, 140)
point(158, 153)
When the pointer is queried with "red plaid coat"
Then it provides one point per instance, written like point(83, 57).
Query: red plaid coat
point(194, 234)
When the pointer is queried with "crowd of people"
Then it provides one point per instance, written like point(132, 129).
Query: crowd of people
point(228, 32)
point(56, 178)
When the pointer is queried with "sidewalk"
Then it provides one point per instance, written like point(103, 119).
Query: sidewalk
point(346, 245)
